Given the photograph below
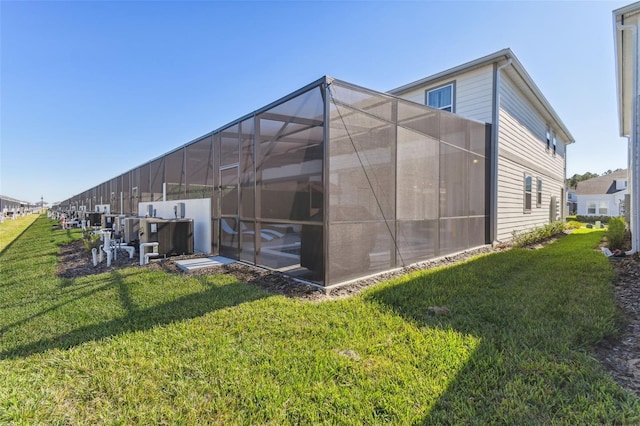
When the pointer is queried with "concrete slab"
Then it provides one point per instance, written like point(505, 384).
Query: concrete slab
point(189, 265)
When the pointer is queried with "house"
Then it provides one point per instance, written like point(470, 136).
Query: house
point(528, 139)
point(572, 201)
point(602, 195)
point(625, 23)
point(335, 182)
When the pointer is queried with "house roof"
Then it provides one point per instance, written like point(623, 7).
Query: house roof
point(623, 45)
point(519, 71)
point(605, 184)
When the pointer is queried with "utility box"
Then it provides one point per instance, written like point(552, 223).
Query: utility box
point(131, 227)
point(108, 221)
point(175, 236)
point(112, 221)
point(95, 219)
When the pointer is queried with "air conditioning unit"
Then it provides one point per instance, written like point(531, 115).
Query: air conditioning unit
point(95, 219)
point(175, 236)
point(107, 221)
point(131, 227)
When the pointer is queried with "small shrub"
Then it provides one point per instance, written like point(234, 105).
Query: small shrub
point(573, 225)
point(90, 240)
point(615, 233)
point(522, 239)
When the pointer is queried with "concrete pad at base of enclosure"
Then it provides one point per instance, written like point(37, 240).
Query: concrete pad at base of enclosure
point(189, 265)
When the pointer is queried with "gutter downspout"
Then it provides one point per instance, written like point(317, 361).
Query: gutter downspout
point(493, 224)
point(634, 139)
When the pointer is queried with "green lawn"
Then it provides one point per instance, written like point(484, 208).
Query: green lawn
point(11, 229)
point(138, 346)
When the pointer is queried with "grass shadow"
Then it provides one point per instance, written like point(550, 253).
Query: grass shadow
point(536, 315)
point(214, 297)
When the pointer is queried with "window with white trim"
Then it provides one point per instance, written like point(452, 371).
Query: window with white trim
point(441, 97)
point(555, 144)
point(539, 193)
point(603, 208)
point(591, 207)
point(528, 184)
point(548, 138)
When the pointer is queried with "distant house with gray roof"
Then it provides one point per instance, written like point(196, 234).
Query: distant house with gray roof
point(603, 195)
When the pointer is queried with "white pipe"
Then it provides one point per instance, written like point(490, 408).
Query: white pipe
point(634, 136)
point(143, 258)
point(100, 253)
point(95, 256)
point(129, 249)
point(148, 255)
point(109, 255)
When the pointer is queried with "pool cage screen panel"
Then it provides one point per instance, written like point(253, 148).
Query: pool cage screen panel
point(405, 183)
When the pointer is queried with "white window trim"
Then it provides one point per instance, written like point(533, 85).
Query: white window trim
point(442, 86)
point(525, 193)
point(538, 192)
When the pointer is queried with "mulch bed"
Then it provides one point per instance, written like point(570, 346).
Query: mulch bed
point(620, 355)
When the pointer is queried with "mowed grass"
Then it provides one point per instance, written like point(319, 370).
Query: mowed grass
point(139, 346)
point(11, 229)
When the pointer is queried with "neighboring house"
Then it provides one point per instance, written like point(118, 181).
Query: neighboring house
point(625, 22)
point(528, 140)
point(602, 195)
point(572, 201)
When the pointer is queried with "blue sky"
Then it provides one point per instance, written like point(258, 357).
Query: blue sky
point(91, 89)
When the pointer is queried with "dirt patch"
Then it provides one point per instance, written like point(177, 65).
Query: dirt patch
point(75, 262)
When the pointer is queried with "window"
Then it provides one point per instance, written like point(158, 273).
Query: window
point(441, 97)
point(539, 197)
point(591, 207)
point(554, 144)
point(527, 193)
point(548, 138)
point(603, 208)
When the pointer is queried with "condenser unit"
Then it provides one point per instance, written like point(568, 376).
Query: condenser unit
point(95, 219)
point(108, 221)
point(174, 236)
point(131, 227)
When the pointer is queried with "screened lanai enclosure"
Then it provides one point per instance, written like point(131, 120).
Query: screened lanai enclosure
point(331, 183)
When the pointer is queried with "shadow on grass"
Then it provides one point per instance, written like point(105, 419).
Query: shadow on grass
point(535, 313)
point(185, 307)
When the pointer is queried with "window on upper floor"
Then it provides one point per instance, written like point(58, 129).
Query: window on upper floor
point(555, 144)
point(441, 97)
point(528, 184)
point(548, 138)
point(539, 193)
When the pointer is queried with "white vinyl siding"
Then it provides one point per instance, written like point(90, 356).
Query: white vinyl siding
point(513, 101)
point(523, 150)
point(473, 93)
